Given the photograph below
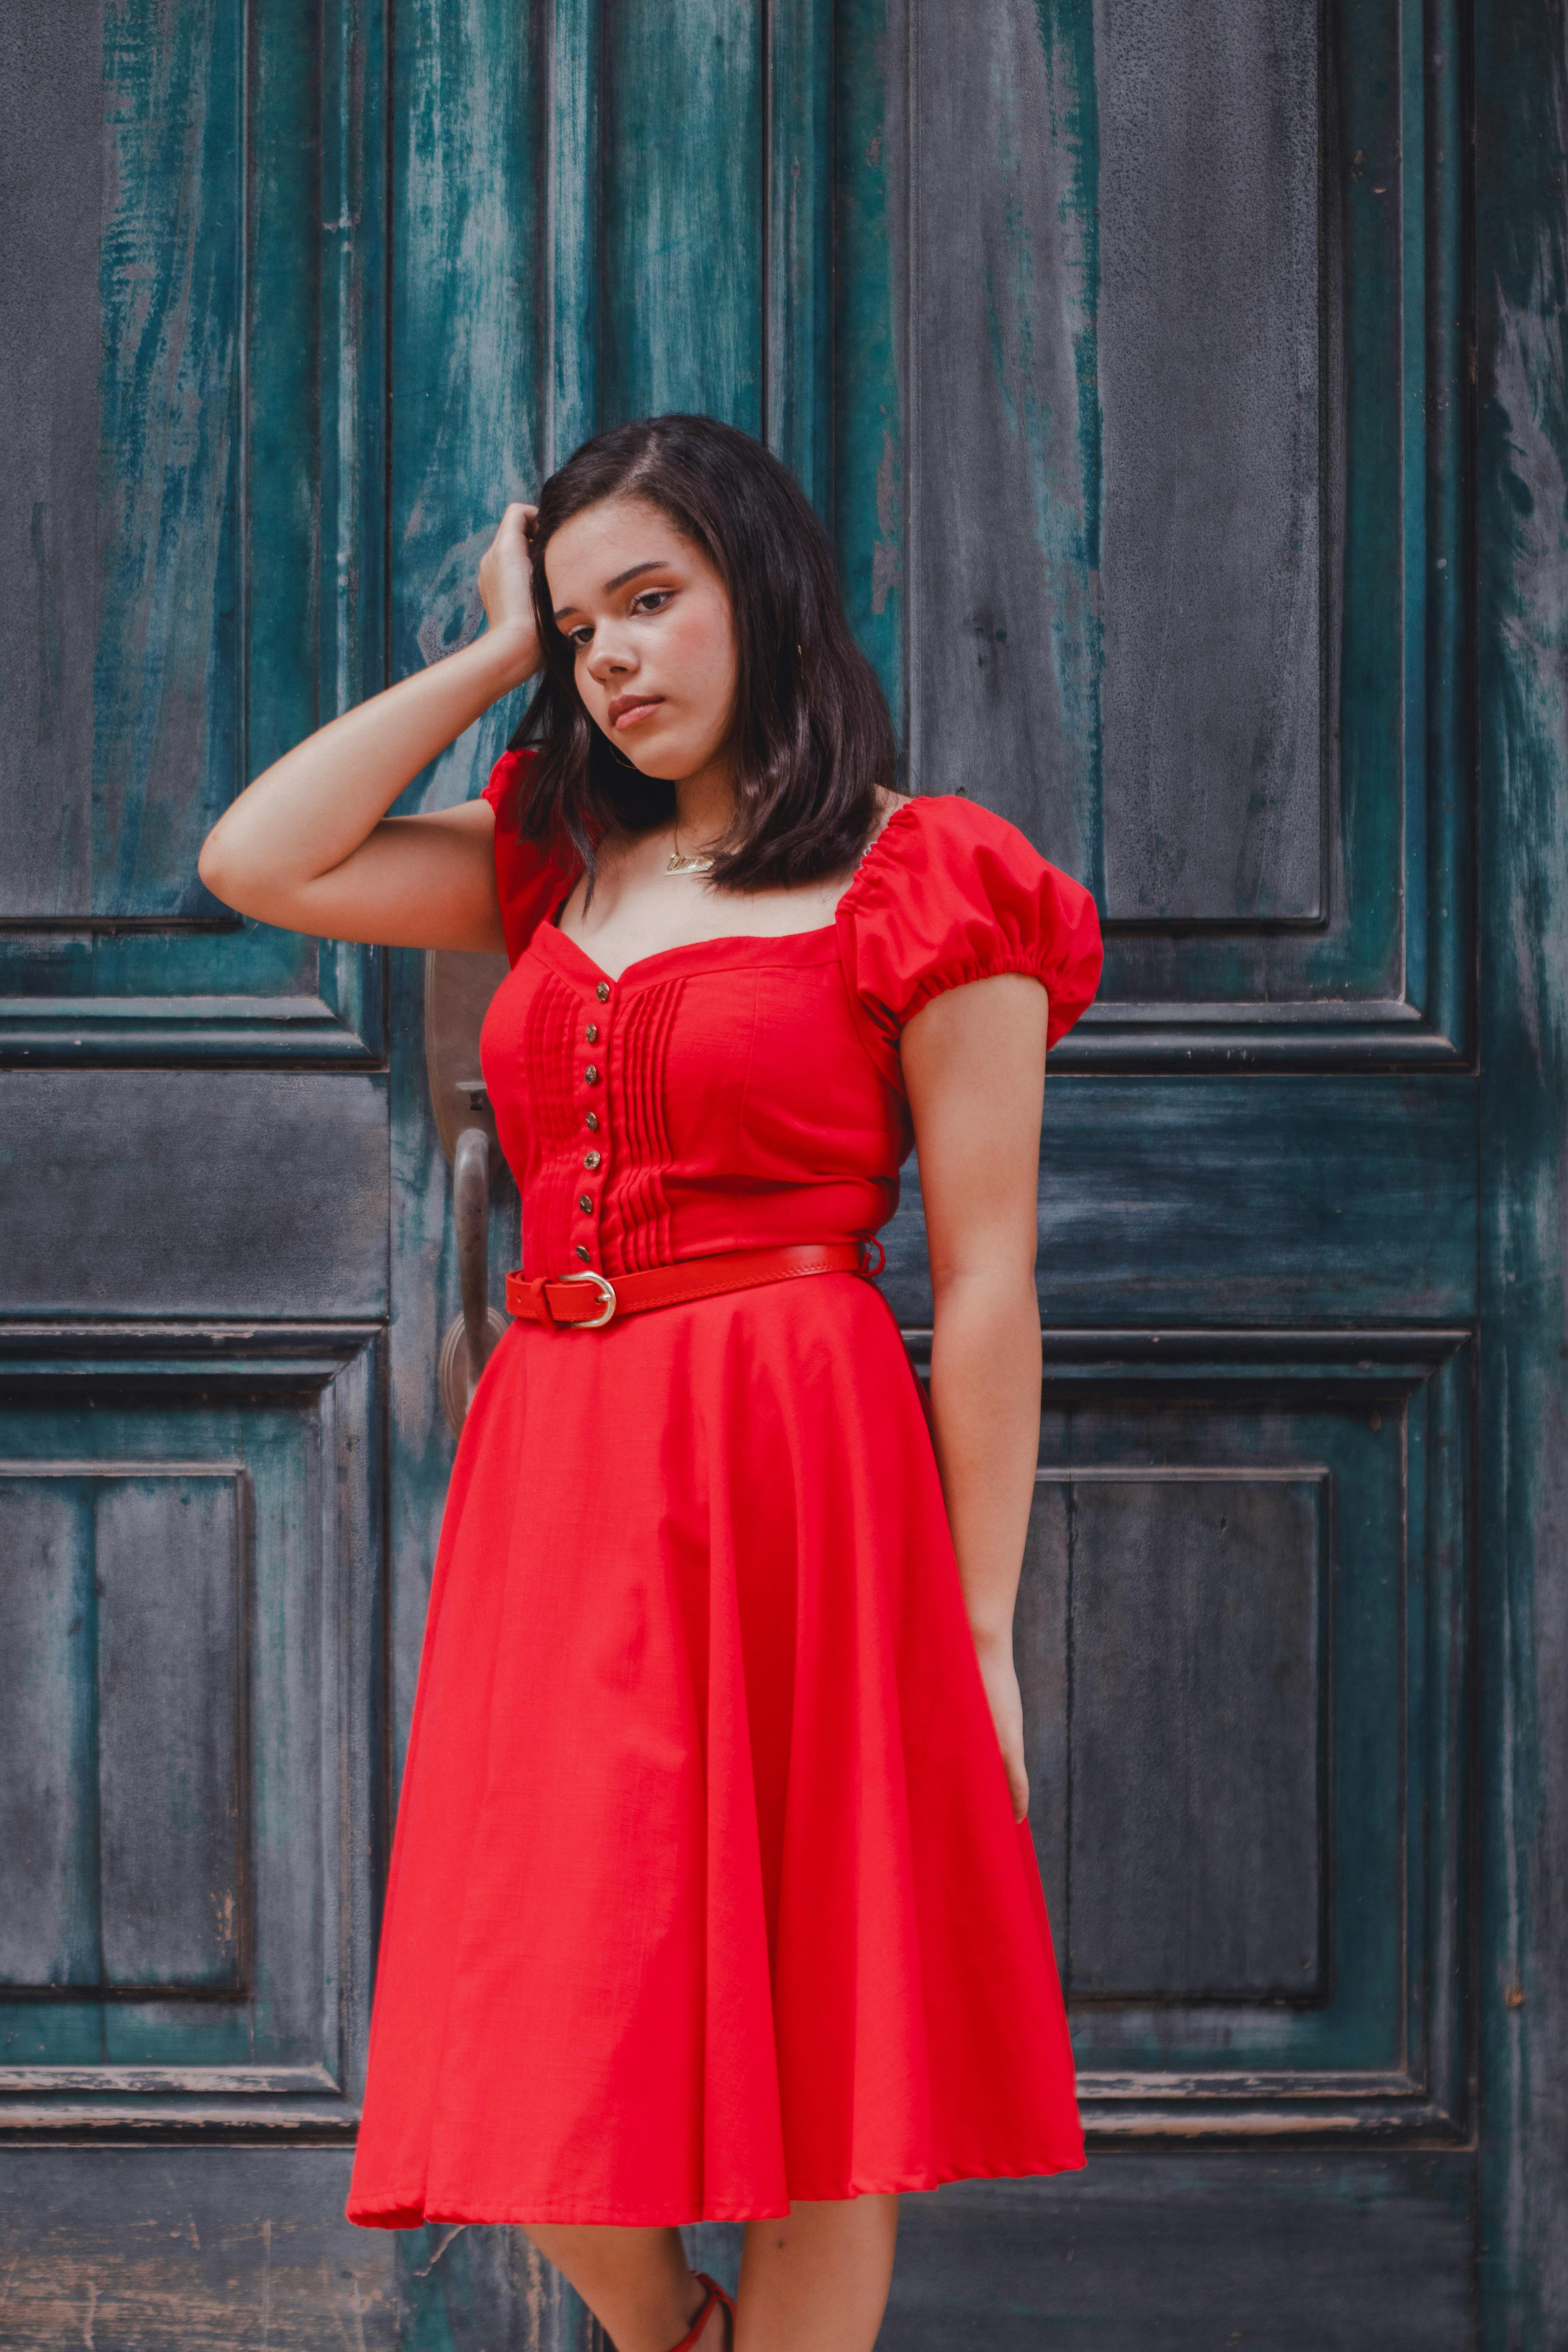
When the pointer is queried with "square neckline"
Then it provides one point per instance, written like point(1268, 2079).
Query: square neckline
point(730, 938)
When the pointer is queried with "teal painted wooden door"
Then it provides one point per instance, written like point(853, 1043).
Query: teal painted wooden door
point(1186, 391)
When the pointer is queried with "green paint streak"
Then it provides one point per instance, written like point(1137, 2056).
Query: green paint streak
point(1521, 530)
point(868, 425)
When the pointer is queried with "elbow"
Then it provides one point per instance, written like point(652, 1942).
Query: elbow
point(991, 1290)
point(215, 873)
point(220, 874)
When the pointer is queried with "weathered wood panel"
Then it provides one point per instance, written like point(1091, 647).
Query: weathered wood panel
point(51, 109)
point(123, 1595)
point(176, 1192)
point(1244, 2250)
point(1243, 1200)
point(189, 2250)
point(219, 1786)
point(1003, 616)
point(1196, 1748)
point(48, 1790)
point(1144, 1749)
point(167, 309)
point(1521, 279)
point(681, 221)
point(1209, 391)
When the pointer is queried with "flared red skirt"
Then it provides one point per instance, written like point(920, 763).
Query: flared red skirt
point(706, 1891)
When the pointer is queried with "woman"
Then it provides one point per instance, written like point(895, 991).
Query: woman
point(713, 1894)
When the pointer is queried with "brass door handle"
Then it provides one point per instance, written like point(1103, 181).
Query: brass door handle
point(457, 990)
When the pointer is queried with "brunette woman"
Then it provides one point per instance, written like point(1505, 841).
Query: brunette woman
point(713, 1894)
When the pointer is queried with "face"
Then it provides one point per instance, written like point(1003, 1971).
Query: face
point(648, 621)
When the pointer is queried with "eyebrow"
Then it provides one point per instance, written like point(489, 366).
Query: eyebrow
point(654, 564)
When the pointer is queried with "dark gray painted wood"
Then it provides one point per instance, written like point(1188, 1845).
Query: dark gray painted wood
point(1193, 2253)
point(120, 522)
point(122, 1867)
point(189, 2250)
point(177, 1192)
point(1040, 1651)
point(51, 116)
point(48, 1783)
point(1003, 622)
point(1241, 1201)
point(1195, 1714)
point(1209, 396)
point(237, 1777)
point(170, 1665)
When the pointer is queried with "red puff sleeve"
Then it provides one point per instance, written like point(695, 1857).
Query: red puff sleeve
point(531, 876)
point(950, 892)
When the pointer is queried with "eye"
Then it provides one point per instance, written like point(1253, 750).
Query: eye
point(652, 599)
point(578, 639)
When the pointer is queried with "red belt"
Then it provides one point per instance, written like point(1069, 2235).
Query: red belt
point(586, 1302)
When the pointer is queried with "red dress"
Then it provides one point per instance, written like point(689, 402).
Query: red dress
point(706, 1893)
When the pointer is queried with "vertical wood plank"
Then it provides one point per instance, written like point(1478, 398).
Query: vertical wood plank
point(870, 456)
point(165, 684)
point(1521, 554)
point(48, 1721)
point(1209, 367)
point(1041, 1646)
point(1004, 420)
point(681, 115)
point(51, 170)
point(572, 228)
point(798, 290)
point(1197, 1835)
point(169, 1666)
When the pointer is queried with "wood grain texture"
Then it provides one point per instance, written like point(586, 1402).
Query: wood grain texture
point(871, 490)
point(125, 1813)
point(51, 173)
point(1002, 263)
point(49, 1691)
point(1522, 283)
point(170, 1192)
point(681, 221)
point(1241, 1200)
point(1196, 1606)
point(1209, 391)
point(188, 2250)
point(166, 740)
point(223, 1796)
point(1276, 2250)
point(1375, 1425)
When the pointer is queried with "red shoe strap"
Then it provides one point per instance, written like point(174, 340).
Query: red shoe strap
point(715, 2294)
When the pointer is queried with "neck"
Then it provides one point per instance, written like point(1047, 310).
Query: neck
point(704, 802)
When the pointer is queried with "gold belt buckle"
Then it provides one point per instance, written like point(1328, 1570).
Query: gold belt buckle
point(606, 1297)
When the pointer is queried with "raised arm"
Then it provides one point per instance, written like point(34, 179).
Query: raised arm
point(310, 847)
point(974, 1067)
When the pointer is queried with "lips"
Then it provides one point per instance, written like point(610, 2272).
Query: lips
point(627, 708)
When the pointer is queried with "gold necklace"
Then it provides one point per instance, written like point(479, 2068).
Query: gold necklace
point(682, 865)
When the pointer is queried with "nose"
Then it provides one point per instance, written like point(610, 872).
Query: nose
point(609, 658)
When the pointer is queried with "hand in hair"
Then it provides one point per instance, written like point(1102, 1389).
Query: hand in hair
point(505, 583)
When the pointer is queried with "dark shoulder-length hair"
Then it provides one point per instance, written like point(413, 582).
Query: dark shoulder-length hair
point(811, 735)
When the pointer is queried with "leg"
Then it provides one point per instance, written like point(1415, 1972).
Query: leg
point(819, 2281)
point(637, 2283)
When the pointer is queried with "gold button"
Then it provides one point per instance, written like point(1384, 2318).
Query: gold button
point(592, 1033)
point(582, 1252)
point(590, 1159)
point(603, 990)
point(592, 1073)
point(592, 1119)
point(586, 1202)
